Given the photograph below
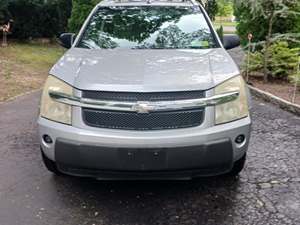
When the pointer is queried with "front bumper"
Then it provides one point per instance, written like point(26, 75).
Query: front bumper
point(105, 153)
point(83, 160)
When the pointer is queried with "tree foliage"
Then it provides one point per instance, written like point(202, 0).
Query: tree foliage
point(211, 7)
point(36, 18)
point(266, 15)
point(4, 15)
point(225, 8)
point(254, 17)
point(81, 9)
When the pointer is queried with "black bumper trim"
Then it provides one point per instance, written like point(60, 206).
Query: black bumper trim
point(77, 159)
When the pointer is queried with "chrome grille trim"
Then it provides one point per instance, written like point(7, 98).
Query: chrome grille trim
point(143, 107)
point(142, 96)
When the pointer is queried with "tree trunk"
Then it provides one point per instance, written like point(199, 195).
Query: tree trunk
point(267, 48)
point(296, 81)
point(266, 59)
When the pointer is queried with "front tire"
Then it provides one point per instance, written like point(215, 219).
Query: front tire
point(50, 165)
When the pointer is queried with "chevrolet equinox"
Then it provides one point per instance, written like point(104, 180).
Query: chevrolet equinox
point(145, 91)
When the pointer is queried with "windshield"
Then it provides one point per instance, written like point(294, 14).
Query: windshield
point(148, 27)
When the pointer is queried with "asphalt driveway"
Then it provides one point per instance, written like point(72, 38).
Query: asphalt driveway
point(268, 191)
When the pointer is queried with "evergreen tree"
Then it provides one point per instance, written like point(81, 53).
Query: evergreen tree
point(253, 18)
point(269, 21)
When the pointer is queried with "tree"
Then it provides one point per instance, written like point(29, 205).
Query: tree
point(4, 15)
point(267, 13)
point(211, 7)
point(225, 8)
point(252, 21)
point(36, 18)
point(64, 12)
point(81, 9)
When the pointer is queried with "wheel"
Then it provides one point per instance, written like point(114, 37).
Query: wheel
point(50, 165)
point(238, 166)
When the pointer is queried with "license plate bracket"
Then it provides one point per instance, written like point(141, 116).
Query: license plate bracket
point(143, 159)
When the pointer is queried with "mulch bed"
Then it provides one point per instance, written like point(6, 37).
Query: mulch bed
point(279, 88)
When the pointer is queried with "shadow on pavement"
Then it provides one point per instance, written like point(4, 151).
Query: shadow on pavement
point(205, 200)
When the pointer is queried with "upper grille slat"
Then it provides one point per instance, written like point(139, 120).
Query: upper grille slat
point(137, 121)
point(141, 96)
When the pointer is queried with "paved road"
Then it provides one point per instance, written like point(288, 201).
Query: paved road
point(268, 191)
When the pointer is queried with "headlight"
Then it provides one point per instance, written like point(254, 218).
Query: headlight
point(236, 109)
point(51, 109)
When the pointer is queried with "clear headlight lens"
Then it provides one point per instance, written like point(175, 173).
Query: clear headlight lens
point(51, 109)
point(236, 109)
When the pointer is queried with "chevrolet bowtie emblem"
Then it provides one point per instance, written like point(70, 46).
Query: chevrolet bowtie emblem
point(142, 107)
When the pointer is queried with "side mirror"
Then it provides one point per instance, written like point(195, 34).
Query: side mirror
point(231, 41)
point(66, 40)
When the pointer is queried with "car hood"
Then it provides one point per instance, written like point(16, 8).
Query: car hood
point(145, 70)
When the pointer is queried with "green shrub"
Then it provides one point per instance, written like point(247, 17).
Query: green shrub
point(282, 62)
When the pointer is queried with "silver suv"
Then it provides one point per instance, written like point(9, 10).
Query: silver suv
point(145, 91)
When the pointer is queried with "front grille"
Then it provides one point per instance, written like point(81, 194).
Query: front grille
point(137, 121)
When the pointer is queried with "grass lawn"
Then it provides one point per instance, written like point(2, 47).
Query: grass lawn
point(24, 67)
point(224, 24)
